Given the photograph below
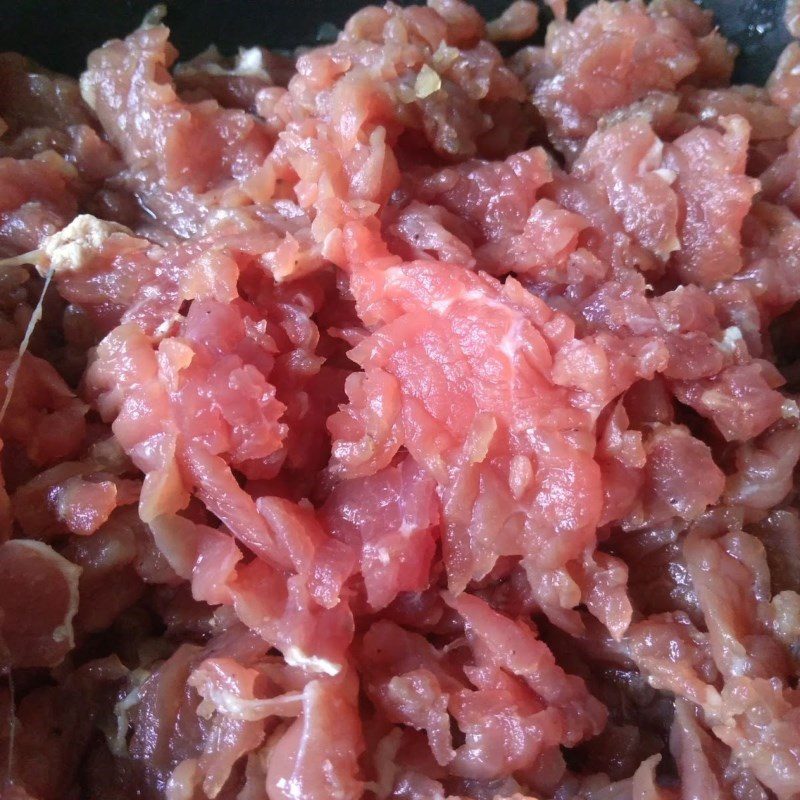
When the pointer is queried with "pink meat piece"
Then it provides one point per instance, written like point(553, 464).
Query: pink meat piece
point(282, 611)
point(783, 84)
point(673, 456)
point(111, 575)
point(763, 477)
point(45, 116)
point(479, 434)
point(112, 274)
point(510, 228)
point(418, 686)
point(386, 646)
point(55, 726)
point(86, 505)
point(205, 556)
point(423, 231)
point(230, 689)
point(485, 717)
point(739, 643)
point(779, 532)
point(714, 197)
point(322, 561)
point(603, 237)
point(770, 277)
point(34, 98)
point(390, 519)
point(416, 699)
point(74, 496)
point(695, 18)
point(495, 198)
point(221, 352)
point(392, 70)
point(705, 764)
point(741, 400)
point(317, 757)
point(43, 112)
point(44, 417)
point(627, 161)
point(38, 600)
point(167, 731)
point(188, 155)
point(499, 642)
point(676, 657)
point(196, 447)
point(767, 122)
point(761, 728)
point(621, 455)
point(610, 56)
point(36, 200)
point(543, 249)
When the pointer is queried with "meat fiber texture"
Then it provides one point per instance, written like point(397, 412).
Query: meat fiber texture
point(405, 421)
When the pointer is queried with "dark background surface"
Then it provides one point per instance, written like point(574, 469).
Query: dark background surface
point(60, 33)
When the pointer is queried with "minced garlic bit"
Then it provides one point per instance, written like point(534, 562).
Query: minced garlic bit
point(428, 81)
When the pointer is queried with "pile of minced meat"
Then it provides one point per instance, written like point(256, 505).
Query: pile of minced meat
point(401, 421)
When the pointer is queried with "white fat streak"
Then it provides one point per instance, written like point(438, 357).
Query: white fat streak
point(164, 327)
point(444, 55)
point(73, 247)
point(250, 61)
point(117, 742)
point(290, 787)
point(443, 306)
point(386, 763)
point(730, 339)
point(666, 175)
point(714, 399)
point(68, 250)
point(520, 475)
point(790, 410)
point(653, 156)
point(88, 90)
point(509, 344)
point(740, 665)
point(13, 370)
point(406, 529)
point(223, 701)
point(395, 276)
point(295, 657)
